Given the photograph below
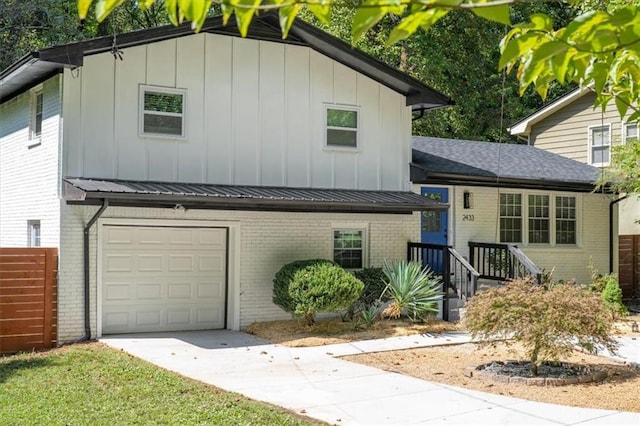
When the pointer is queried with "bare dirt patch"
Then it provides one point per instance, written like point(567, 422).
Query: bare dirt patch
point(447, 364)
point(295, 333)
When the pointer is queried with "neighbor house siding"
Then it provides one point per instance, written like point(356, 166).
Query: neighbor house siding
point(267, 241)
point(566, 132)
point(567, 262)
point(255, 113)
point(29, 173)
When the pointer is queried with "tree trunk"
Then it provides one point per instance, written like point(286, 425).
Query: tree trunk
point(534, 359)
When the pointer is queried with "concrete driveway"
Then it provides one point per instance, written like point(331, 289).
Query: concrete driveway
point(313, 382)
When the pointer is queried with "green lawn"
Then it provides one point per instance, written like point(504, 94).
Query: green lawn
point(92, 384)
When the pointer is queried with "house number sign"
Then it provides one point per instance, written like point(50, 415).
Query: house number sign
point(468, 218)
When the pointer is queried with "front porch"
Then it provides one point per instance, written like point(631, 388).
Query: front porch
point(486, 264)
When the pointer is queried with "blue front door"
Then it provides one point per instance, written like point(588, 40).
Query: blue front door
point(435, 223)
point(434, 226)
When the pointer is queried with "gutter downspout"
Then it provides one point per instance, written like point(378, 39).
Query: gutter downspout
point(87, 227)
point(611, 204)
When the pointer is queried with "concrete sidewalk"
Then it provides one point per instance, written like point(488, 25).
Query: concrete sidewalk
point(313, 382)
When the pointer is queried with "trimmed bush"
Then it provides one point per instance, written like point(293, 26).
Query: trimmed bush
point(374, 285)
point(304, 288)
point(283, 278)
point(548, 322)
point(612, 296)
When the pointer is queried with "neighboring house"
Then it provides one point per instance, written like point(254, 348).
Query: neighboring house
point(175, 182)
point(515, 194)
point(573, 128)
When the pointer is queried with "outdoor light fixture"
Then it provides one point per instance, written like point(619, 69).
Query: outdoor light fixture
point(634, 327)
point(467, 200)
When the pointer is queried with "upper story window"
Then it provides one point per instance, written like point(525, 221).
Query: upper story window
point(348, 248)
point(37, 104)
point(600, 145)
point(342, 127)
point(162, 112)
point(630, 131)
point(544, 219)
point(33, 233)
point(510, 218)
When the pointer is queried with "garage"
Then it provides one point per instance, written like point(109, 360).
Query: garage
point(162, 278)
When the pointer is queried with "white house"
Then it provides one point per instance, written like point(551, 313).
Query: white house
point(177, 172)
point(515, 194)
point(573, 128)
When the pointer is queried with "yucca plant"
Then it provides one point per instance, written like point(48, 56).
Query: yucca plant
point(412, 288)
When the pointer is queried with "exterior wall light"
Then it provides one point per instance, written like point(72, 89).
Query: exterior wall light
point(468, 200)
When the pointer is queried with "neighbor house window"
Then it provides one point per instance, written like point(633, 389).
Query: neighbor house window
point(566, 220)
point(539, 229)
point(33, 236)
point(342, 127)
point(36, 113)
point(162, 111)
point(600, 145)
point(510, 218)
point(630, 131)
point(348, 248)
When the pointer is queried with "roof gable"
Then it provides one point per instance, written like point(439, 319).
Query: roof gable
point(35, 66)
point(498, 164)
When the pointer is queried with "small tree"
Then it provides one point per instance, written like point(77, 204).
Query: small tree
point(548, 322)
point(612, 296)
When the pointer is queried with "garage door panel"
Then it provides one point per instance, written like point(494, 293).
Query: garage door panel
point(178, 284)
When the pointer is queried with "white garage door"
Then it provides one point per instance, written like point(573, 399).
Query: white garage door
point(163, 278)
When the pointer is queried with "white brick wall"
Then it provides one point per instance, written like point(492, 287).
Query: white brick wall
point(29, 175)
point(268, 240)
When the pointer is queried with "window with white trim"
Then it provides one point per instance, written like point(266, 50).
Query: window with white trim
point(162, 112)
point(510, 218)
point(341, 127)
point(600, 145)
point(37, 106)
point(630, 131)
point(538, 218)
point(566, 220)
point(539, 227)
point(348, 248)
point(33, 233)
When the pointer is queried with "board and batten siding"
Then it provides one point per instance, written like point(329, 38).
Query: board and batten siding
point(566, 132)
point(567, 262)
point(29, 168)
point(254, 116)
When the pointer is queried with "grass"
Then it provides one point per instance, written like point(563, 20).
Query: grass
point(92, 384)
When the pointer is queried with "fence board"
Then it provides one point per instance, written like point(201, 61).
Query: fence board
point(28, 299)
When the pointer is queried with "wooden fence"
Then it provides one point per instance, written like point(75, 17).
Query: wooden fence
point(28, 299)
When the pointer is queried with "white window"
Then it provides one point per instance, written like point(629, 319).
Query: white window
point(510, 218)
point(349, 248)
point(162, 112)
point(600, 145)
point(33, 233)
point(538, 218)
point(341, 127)
point(37, 100)
point(630, 131)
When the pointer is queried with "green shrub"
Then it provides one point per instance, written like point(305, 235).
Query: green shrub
point(283, 278)
point(412, 289)
point(612, 296)
point(548, 322)
point(374, 285)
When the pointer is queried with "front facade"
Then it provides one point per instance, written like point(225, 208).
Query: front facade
point(573, 128)
point(178, 180)
point(515, 194)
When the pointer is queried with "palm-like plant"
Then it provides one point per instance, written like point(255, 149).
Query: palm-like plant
point(412, 288)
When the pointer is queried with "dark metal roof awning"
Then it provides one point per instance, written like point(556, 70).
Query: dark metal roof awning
point(239, 197)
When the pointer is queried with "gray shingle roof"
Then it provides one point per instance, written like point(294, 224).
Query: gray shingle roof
point(488, 161)
point(200, 195)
